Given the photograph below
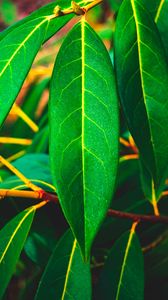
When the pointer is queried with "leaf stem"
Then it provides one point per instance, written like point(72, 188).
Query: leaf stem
point(14, 156)
point(28, 183)
point(128, 157)
point(20, 113)
point(58, 12)
point(154, 201)
point(16, 141)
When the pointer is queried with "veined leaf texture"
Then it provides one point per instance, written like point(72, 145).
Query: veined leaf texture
point(66, 275)
point(142, 74)
point(84, 131)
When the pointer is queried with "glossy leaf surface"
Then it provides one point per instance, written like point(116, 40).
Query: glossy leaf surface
point(66, 276)
point(19, 46)
point(84, 132)
point(12, 239)
point(143, 86)
point(123, 273)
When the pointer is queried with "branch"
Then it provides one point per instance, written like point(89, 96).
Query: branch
point(42, 195)
point(75, 8)
point(137, 217)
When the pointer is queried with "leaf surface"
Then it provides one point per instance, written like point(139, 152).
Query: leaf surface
point(160, 12)
point(84, 132)
point(12, 239)
point(123, 273)
point(143, 86)
point(66, 276)
point(19, 46)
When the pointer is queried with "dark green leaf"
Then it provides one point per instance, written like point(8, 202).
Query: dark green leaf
point(160, 12)
point(12, 239)
point(66, 276)
point(156, 258)
point(154, 7)
point(143, 87)
point(123, 273)
point(84, 132)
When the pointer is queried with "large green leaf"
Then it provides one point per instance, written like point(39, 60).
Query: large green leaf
point(159, 10)
point(143, 86)
point(66, 276)
point(19, 46)
point(12, 239)
point(84, 132)
point(123, 273)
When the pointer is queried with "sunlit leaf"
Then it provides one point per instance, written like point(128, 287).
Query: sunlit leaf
point(84, 132)
point(19, 46)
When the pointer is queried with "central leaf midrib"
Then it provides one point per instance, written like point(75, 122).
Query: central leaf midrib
point(124, 262)
point(83, 110)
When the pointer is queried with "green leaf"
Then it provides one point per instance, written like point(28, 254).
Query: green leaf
point(66, 276)
point(84, 132)
point(143, 86)
point(123, 273)
point(18, 48)
point(12, 239)
point(8, 11)
point(115, 4)
point(156, 262)
point(128, 180)
point(154, 7)
point(160, 12)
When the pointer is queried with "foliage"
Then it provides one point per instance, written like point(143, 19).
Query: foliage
point(82, 182)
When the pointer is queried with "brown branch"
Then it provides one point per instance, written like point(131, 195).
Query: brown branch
point(42, 195)
point(137, 217)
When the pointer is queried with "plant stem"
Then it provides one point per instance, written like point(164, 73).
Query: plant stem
point(129, 156)
point(14, 156)
point(154, 201)
point(16, 141)
point(70, 10)
point(41, 194)
point(18, 111)
point(28, 183)
point(137, 217)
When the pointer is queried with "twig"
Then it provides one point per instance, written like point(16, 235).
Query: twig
point(75, 8)
point(28, 183)
point(137, 217)
point(128, 157)
point(16, 141)
point(41, 194)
